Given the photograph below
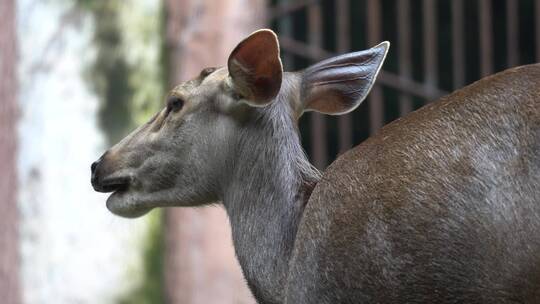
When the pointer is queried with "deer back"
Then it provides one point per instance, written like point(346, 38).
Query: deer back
point(440, 206)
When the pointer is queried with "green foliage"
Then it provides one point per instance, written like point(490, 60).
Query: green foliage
point(149, 290)
point(144, 36)
point(164, 49)
point(126, 72)
point(127, 75)
point(109, 74)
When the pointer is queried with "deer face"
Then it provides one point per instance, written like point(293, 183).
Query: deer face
point(182, 156)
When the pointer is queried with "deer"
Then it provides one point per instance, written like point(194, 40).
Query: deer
point(440, 206)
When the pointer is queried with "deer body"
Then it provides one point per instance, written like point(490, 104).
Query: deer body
point(440, 206)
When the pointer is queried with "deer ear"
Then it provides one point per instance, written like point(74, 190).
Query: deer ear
point(338, 85)
point(255, 68)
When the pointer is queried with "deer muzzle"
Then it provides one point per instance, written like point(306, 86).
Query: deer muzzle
point(103, 178)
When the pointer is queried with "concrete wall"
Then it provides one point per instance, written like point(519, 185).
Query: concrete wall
point(9, 217)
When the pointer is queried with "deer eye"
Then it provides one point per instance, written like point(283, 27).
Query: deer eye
point(174, 104)
point(207, 71)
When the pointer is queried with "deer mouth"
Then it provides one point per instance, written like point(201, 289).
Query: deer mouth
point(127, 204)
point(118, 184)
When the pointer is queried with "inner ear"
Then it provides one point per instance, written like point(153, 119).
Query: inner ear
point(255, 68)
point(338, 85)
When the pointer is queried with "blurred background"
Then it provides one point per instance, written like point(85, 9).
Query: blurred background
point(78, 75)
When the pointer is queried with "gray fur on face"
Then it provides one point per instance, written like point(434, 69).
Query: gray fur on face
point(176, 158)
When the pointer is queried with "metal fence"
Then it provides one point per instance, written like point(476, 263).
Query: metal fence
point(437, 46)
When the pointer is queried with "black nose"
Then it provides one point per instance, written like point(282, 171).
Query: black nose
point(101, 178)
point(94, 169)
point(93, 177)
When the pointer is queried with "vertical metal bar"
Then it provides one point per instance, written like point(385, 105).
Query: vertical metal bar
point(429, 14)
point(343, 45)
point(458, 49)
point(512, 35)
point(404, 47)
point(537, 25)
point(486, 38)
point(318, 122)
point(343, 25)
point(284, 24)
point(376, 101)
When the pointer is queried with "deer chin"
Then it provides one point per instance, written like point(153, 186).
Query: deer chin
point(124, 203)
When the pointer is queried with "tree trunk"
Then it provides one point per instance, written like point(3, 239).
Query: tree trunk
point(9, 254)
point(200, 264)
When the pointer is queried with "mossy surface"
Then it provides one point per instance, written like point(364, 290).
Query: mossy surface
point(128, 76)
point(127, 71)
point(150, 289)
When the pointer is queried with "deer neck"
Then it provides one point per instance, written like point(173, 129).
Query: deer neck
point(269, 187)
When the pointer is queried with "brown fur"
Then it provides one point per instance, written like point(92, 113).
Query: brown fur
point(442, 206)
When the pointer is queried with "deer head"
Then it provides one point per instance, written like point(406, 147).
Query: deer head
point(185, 154)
